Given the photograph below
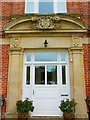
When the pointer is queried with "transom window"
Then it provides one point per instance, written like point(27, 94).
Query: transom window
point(45, 6)
point(46, 66)
point(46, 56)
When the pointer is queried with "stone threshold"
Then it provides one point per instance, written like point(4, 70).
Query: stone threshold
point(45, 118)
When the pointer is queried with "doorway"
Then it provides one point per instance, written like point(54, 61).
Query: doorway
point(46, 80)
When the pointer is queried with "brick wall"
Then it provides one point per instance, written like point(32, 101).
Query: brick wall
point(4, 62)
point(12, 8)
point(4, 55)
point(87, 67)
point(79, 8)
point(0, 70)
point(8, 9)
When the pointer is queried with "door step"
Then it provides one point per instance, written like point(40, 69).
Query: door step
point(45, 118)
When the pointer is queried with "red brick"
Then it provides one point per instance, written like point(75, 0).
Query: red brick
point(4, 55)
point(86, 67)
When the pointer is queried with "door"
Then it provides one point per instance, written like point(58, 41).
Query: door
point(45, 91)
point(46, 81)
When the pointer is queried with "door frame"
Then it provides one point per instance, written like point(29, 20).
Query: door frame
point(59, 79)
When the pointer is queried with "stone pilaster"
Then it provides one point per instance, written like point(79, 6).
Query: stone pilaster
point(14, 80)
point(78, 80)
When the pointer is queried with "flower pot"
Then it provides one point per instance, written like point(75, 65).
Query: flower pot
point(23, 116)
point(69, 116)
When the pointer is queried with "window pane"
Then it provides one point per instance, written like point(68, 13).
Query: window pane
point(28, 55)
point(62, 6)
point(39, 74)
point(29, 7)
point(46, 6)
point(63, 75)
point(28, 75)
point(63, 56)
point(51, 75)
point(46, 56)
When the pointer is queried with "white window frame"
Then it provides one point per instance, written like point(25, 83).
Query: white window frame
point(36, 6)
point(55, 6)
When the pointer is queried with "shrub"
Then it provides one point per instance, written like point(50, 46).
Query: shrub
point(24, 106)
point(67, 105)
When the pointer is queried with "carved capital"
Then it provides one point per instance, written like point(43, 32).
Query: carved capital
point(15, 40)
point(16, 51)
point(75, 41)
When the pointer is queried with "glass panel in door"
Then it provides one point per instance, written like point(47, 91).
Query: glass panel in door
point(39, 74)
point(63, 75)
point(28, 75)
point(51, 75)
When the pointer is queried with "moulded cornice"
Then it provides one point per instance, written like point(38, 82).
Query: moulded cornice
point(16, 50)
point(46, 31)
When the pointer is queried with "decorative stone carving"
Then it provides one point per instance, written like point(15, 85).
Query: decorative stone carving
point(15, 39)
point(75, 41)
point(46, 22)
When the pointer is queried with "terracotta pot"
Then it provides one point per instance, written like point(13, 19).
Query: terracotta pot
point(23, 116)
point(69, 116)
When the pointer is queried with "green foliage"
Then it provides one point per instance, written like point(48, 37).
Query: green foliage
point(24, 106)
point(67, 105)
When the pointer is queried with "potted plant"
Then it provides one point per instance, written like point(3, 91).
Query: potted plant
point(23, 108)
point(68, 108)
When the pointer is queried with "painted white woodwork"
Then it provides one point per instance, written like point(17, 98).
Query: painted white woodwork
point(49, 89)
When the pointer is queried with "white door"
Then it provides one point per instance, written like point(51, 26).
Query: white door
point(46, 83)
point(45, 91)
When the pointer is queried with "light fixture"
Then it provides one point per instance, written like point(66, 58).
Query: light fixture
point(2, 101)
point(45, 43)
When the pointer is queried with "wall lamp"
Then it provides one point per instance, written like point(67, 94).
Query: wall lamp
point(2, 101)
point(45, 43)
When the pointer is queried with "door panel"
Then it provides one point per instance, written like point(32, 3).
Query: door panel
point(46, 101)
